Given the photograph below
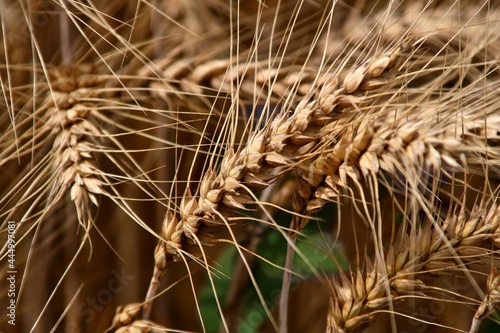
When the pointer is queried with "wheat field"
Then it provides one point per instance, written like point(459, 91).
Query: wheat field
point(249, 166)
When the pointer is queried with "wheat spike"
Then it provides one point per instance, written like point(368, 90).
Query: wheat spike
point(491, 301)
point(142, 326)
point(75, 134)
point(125, 321)
point(354, 301)
point(267, 154)
point(405, 142)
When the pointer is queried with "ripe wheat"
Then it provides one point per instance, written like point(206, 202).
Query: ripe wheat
point(191, 124)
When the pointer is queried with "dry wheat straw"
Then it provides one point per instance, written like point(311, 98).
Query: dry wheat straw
point(435, 251)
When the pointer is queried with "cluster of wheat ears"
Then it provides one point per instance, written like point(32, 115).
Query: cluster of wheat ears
point(166, 163)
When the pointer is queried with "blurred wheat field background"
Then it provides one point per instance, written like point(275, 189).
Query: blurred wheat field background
point(250, 166)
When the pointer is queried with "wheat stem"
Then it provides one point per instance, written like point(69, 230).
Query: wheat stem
point(285, 286)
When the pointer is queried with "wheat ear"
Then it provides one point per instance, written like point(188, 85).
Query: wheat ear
point(60, 135)
point(268, 153)
point(491, 301)
point(125, 321)
point(198, 78)
point(69, 131)
point(142, 326)
point(75, 134)
point(354, 301)
point(409, 143)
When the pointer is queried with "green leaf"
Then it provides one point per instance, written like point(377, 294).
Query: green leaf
point(208, 306)
point(315, 246)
